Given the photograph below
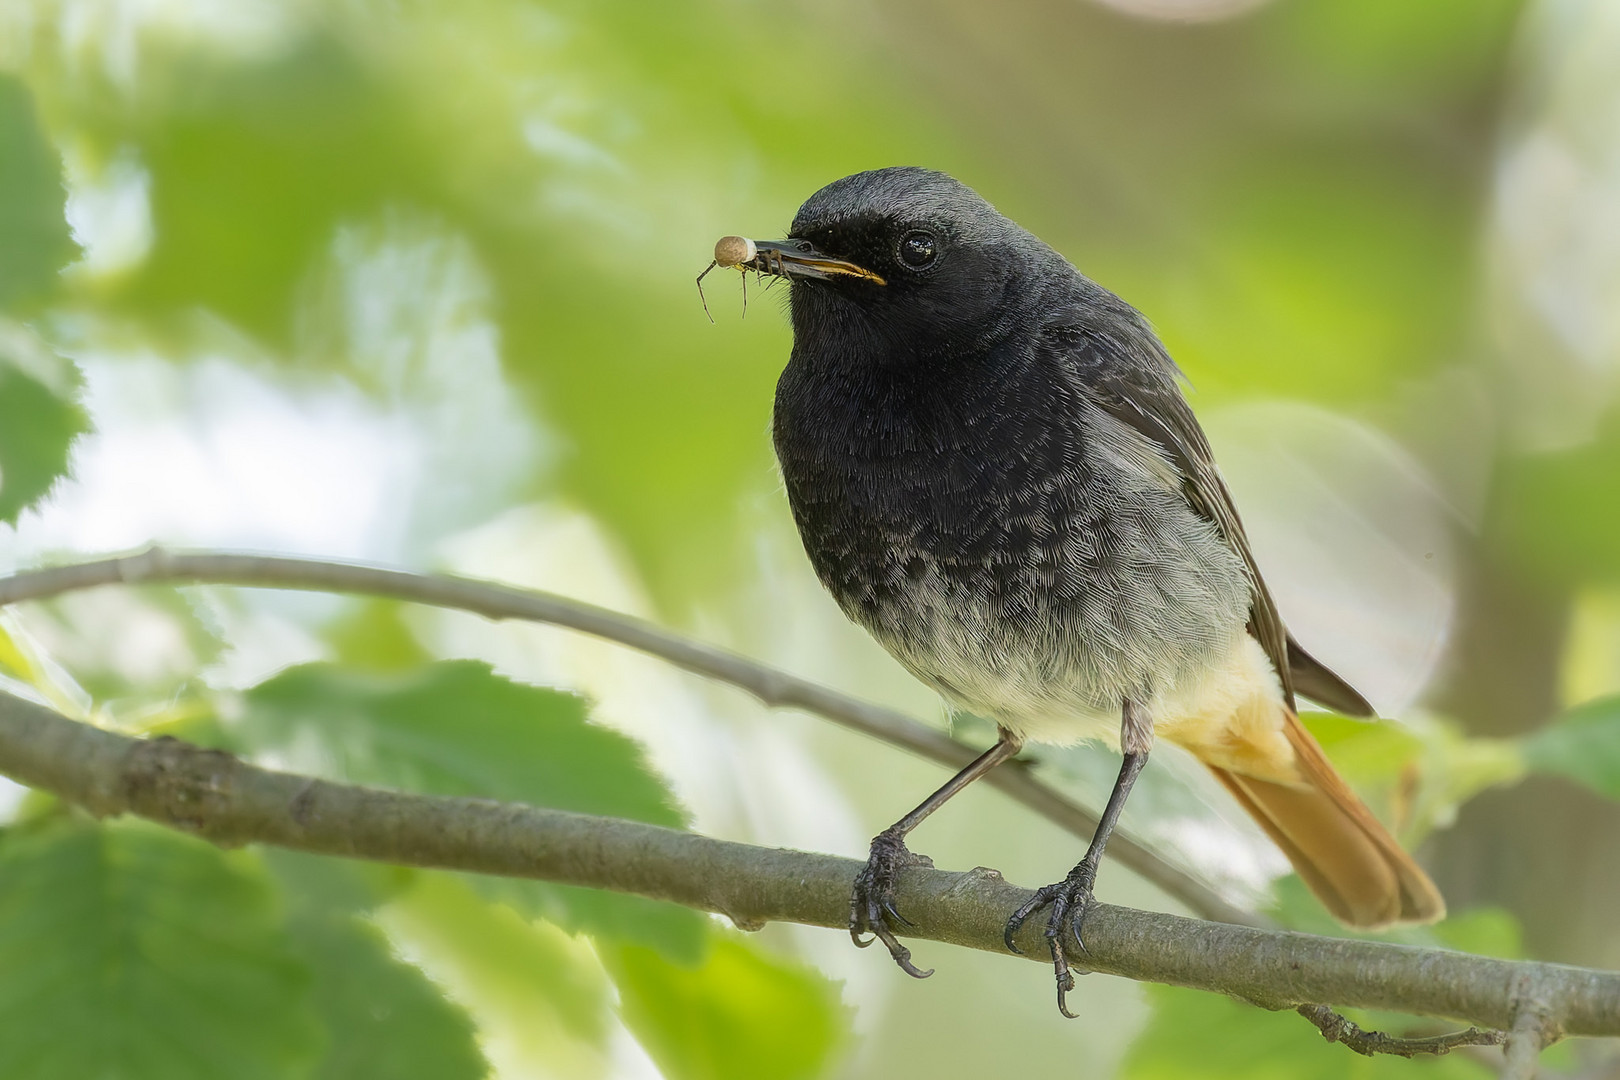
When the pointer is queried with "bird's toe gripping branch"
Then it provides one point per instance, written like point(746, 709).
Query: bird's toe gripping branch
point(871, 903)
point(1068, 900)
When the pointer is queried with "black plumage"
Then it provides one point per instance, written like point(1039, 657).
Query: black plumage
point(994, 470)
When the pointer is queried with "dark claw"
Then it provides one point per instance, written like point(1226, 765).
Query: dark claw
point(1068, 900)
point(871, 903)
point(1079, 919)
point(888, 909)
point(1016, 923)
point(857, 921)
point(1065, 980)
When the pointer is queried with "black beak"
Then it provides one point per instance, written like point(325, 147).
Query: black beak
point(786, 258)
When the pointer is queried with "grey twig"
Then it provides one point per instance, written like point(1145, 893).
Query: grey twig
point(769, 685)
point(1338, 1028)
point(217, 796)
point(1535, 1026)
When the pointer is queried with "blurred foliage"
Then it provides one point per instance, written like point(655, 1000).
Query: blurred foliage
point(37, 425)
point(502, 740)
point(1563, 510)
point(1416, 774)
point(383, 1017)
point(33, 234)
point(1195, 1035)
point(39, 410)
point(539, 977)
point(453, 728)
point(132, 951)
point(1583, 745)
point(1486, 931)
point(139, 651)
point(375, 635)
point(722, 1019)
point(449, 250)
point(567, 145)
point(1201, 1036)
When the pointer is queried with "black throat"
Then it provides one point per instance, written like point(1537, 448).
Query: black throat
point(891, 453)
point(869, 383)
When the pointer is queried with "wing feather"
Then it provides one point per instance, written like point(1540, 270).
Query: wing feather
point(1129, 375)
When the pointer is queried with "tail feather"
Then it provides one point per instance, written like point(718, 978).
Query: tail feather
point(1349, 860)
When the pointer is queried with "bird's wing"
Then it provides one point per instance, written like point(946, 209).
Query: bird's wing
point(1318, 682)
point(1129, 375)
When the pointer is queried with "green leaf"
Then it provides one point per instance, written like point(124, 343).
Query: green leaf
point(1200, 1036)
point(455, 728)
point(253, 172)
point(618, 134)
point(504, 967)
point(129, 951)
point(742, 1013)
point(38, 423)
point(324, 883)
point(383, 1016)
point(678, 932)
point(34, 239)
point(373, 634)
point(23, 658)
point(1583, 745)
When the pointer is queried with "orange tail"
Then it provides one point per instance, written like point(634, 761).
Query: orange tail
point(1349, 860)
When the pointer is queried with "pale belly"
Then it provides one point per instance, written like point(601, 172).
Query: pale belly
point(1225, 707)
point(1064, 683)
point(1039, 584)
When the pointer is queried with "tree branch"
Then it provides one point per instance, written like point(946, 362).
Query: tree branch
point(215, 795)
point(1531, 1032)
point(769, 685)
point(1337, 1028)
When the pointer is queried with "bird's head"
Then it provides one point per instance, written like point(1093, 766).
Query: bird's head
point(905, 260)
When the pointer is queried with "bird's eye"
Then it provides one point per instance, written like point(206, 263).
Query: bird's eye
point(918, 250)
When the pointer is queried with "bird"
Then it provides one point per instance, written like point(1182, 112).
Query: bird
point(995, 471)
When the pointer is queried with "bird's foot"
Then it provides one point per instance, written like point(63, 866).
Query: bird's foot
point(1068, 900)
point(871, 904)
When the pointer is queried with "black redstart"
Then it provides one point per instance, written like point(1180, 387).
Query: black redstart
point(994, 471)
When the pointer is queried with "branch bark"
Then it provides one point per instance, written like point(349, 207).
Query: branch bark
point(768, 685)
point(1339, 1029)
point(217, 796)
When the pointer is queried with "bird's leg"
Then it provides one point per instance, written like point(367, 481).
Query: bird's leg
point(871, 904)
point(1070, 897)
